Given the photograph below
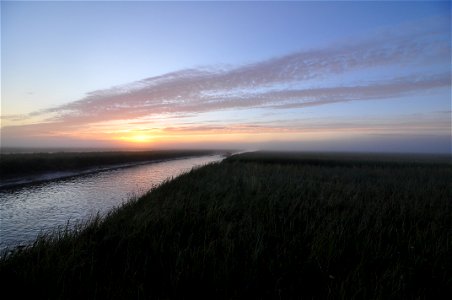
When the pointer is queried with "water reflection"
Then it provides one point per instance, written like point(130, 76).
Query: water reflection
point(27, 210)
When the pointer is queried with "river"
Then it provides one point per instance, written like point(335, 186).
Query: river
point(28, 210)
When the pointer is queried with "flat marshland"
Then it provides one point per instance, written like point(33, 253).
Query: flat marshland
point(17, 164)
point(260, 225)
point(29, 167)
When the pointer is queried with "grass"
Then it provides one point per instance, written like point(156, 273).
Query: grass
point(260, 226)
point(20, 164)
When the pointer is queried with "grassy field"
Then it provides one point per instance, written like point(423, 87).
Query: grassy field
point(20, 164)
point(260, 225)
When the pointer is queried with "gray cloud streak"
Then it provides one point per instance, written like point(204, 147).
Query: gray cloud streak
point(270, 83)
point(274, 83)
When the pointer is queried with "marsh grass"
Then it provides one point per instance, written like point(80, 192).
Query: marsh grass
point(25, 164)
point(259, 226)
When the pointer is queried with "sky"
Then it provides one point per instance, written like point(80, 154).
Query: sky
point(313, 76)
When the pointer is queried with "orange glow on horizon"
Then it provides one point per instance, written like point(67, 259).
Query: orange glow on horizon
point(127, 134)
point(137, 138)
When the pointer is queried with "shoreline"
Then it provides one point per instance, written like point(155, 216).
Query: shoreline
point(69, 202)
point(58, 175)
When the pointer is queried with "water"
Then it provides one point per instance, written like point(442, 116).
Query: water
point(26, 211)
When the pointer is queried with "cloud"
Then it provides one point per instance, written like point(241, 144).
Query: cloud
point(402, 124)
point(306, 78)
point(274, 82)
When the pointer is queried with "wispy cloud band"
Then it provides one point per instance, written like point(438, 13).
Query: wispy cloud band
point(306, 78)
point(275, 82)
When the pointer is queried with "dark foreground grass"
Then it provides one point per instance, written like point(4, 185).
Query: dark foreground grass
point(257, 227)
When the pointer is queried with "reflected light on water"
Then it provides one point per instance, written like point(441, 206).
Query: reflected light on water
point(28, 210)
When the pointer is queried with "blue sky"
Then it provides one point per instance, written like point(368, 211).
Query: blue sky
point(298, 75)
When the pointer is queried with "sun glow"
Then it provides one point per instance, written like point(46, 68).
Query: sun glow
point(137, 138)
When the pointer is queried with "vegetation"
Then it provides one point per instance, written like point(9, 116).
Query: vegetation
point(20, 164)
point(260, 225)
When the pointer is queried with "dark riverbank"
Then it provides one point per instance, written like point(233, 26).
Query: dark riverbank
point(260, 226)
point(24, 168)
